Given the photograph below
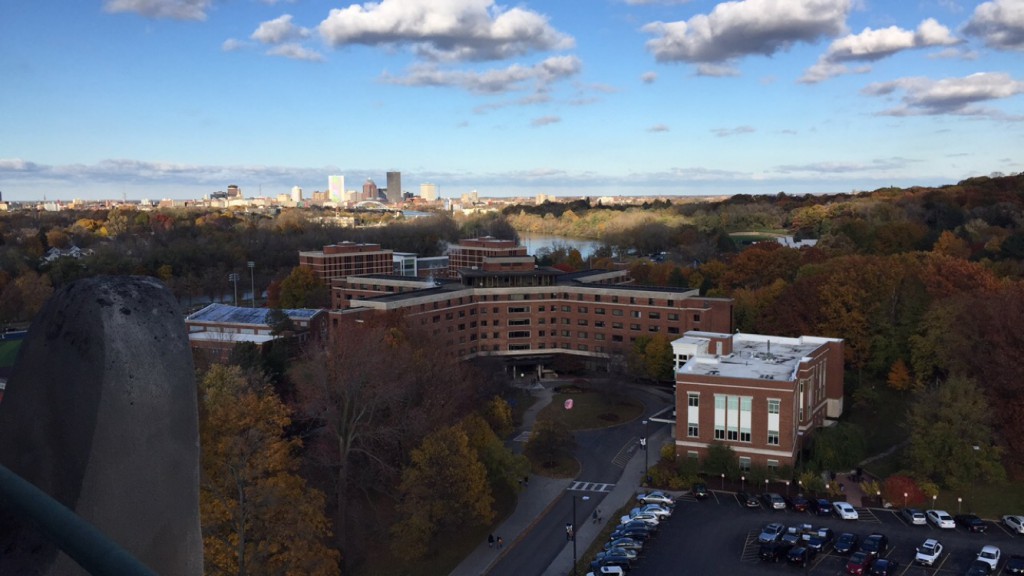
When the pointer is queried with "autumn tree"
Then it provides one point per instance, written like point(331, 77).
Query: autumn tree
point(951, 438)
point(894, 488)
point(838, 447)
point(899, 376)
point(444, 488)
point(303, 289)
point(258, 515)
point(550, 441)
point(651, 358)
point(504, 468)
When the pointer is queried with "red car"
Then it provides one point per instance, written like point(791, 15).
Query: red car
point(859, 563)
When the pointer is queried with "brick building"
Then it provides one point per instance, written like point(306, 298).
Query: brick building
point(510, 308)
point(763, 396)
point(469, 253)
point(214, 330)
point(348, 259)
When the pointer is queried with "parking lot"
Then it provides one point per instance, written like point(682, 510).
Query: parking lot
point(718, 536)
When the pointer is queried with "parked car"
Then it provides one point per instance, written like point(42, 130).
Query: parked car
point(821, 507)
point(846, 543)
point(819, 540)
point(978, 568)
point(773, 501)
point(799, 504)
point(747, 499)
point(845, 511)
point(1014, 564)
point(876, 544)
point(800, 555)
point(640, 524)
point(608, 571)
point(662, 512)
point(626, 544)
point(928, 552)
point(641, 533)
point(884, 567)
point(940, 518)
point(859, 563)
point(699, 491)
point(914, 517)
point(970, 522)
point(656, 498)
point(990, 555)
point(601, 560)
point(771, 533)
point(1014, 523)
point(774, 551)
point(645, 517)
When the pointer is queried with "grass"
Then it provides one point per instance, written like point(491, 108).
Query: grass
point(591, 408)
point(9, 352)
point(583, 557)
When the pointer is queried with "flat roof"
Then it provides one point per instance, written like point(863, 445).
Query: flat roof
point(226, 314)
point(754, 356)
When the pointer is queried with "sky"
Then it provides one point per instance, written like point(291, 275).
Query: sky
point(110, 99)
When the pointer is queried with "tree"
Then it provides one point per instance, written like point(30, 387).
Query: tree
point(303, 289)
point(899, 376)
point(505, 469)
point(951, 439)
point(550, 441)
point(721, 459)
point(258, 515)
point(444, 488)
point(651, 358)
point(838, 447)
point(894, 488)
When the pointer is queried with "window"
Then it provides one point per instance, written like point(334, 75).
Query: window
point(616, 312)
point(693, 400)
point(518, 309)
point(581, 309)
point(518, 346)
point(581, 322)
point(691, 454)
point(598, 336)
point(635, 313)
point(773, 437)
point(616, 338)
point(773, 465)
point(566, 308)
point(634, 326)
point(719, 417)
point(581, 334)
point(654, 315)
point(744, 464)
point(696, 318)
point(617, 325)
point(519, 334)
point(582, 347)
point(773, 406)
point(745, 406)
point(673, 316)
point(519, 322)
point(599, 311)
point(599, 324)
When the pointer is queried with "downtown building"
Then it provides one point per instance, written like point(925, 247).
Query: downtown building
point(762, 396)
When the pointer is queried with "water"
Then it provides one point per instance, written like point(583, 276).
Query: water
point(535, 242)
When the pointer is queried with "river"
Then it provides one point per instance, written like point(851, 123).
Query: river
point(535, 242)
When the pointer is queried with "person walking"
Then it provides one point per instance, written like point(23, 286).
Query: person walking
point(490, 540)
point(500, 542)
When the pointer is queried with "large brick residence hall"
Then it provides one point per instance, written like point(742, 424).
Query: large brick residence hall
point(763, 396)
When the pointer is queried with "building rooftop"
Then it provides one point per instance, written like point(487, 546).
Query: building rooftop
point(225, 314)
point(754, 356)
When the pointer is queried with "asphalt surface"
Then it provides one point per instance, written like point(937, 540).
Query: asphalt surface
point(718, 537)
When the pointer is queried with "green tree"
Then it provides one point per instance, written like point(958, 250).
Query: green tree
point(444, 488)
point(504, 468)
point(550, 441)
point(838, 447)
point(303, 289)
point(721, 459)
point(651, 358)
point(951, 439)
point(258, 515)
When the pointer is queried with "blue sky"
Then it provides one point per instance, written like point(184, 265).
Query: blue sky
point(180, 98)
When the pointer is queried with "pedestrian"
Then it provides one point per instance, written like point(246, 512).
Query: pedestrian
point(500, 542)
point(490, 540)
point(594, 516)
point(526, 481)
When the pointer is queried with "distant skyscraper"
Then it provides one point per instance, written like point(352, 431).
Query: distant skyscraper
point(296, 194)
point(394, 187)
point(369, 190)
point(336, 188)
point(234, 191)
point(428, 192)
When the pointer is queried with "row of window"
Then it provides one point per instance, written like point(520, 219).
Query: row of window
point(732, 418)
point(744, 462)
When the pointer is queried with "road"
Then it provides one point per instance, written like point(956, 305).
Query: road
point(602, 453)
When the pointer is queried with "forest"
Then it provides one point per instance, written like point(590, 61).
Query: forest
point(926, 286)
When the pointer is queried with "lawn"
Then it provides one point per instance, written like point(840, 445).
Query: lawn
point(9, 352)
point(592, 407)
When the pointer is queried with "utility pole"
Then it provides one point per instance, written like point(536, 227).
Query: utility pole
point(252, 281)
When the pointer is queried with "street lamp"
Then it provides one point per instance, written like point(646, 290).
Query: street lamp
point(765, 484)
point(571, 531)
point(787, 487)
point(959, 501)
point(934, 497)
point(643, 442)
point(252, 281)
point(723, 481)
point(234, 279)
point(742, 479)
point(904, 499)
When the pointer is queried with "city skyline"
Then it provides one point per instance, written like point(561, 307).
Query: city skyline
point(180, 98)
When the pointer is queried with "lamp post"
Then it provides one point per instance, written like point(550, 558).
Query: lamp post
point(800, 484)
point(959, 501)
point(571, 531)
point(723, 481)
point(233, 278)
point(904, 499)
point(252, 281)
point(766, 485)
point(742, 479)
point(643, 441)
point(934, 497)
point(787, 488)
point(878, 494)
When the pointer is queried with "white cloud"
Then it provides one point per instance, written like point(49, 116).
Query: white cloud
point(875, 165)
point(956, 96)
point(648, 77)
point(296, 52)
point(1000, 24)
point(511, 78)
point(544, 121)
point(658, 128)
point(723, 132)
point(872, 45)
point(278, 30)
point(741, 28)
point(446, 30)
point(233, 44)
point(716, 70)
point(158, 9)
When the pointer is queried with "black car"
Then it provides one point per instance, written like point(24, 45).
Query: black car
point(970, 522)
point(799, 504)
point(846, 543)
point(875, 544)
point(800, 555)
point(774, 551)
point(748, 500)
point(978, 568)
point(636, 533)
point(700, 490)
point(652, 528)
point(820, 539)
point(884, 567)
point(601, 560)
point(625, 543)
point(821, 507)
point(1014, 564)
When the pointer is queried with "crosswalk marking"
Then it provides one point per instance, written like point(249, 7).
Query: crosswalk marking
point(580, 486)
point(523, 436)
point(625, 453)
